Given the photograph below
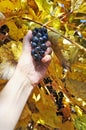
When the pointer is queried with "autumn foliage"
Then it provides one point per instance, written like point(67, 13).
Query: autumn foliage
point(65, 21)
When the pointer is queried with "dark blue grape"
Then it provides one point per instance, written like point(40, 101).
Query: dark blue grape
point(33, 52)
point(37, 57)
point(39, 35)
point(36, 29)
point(46, 35)
point(44, 30)
point(41, 52)
point(54, 93)
point(40, 30)
point(45, 38)
point(50, 88)
point(34, 32)
point(48, 80)
point(60, 94)
point(35, 39)
point(4, 29)
point(37, 49)
point(41, 39)
point(33, 44)
point(43, 46)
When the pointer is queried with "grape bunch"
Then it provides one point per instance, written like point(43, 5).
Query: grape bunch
point(39, 38)
point(58, 97)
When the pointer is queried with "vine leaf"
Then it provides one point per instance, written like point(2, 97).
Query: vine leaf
point(77, 88)
point(43, 5)
point(75, 5)
point(80, 122)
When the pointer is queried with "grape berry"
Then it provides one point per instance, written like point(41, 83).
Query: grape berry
point(40, 36)
point(4, 29)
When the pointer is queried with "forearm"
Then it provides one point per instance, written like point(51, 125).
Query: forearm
point(13, 99)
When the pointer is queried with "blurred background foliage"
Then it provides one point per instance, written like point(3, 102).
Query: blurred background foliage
point(65, 21)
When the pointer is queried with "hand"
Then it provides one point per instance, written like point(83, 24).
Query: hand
point(34, 71)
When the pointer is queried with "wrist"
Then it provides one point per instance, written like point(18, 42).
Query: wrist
point(23, 76)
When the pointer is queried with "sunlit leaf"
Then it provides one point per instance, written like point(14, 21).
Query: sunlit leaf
point(13, 5)
point(83, 8)
point(75, 5)
point(43, 5)
point(80, 123)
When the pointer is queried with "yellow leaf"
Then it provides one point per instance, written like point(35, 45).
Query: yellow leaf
point(13, 30)
point(82, 9)
point(43, 5)
point(13, 5)
point(75, 5)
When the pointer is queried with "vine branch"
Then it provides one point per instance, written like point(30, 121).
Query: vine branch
point(51, 29)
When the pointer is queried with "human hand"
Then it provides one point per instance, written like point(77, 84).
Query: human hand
point(34, 71)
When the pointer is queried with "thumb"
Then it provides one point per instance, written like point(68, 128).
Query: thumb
point(26, 41)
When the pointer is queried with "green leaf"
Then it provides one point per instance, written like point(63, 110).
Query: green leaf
point(80, 122)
